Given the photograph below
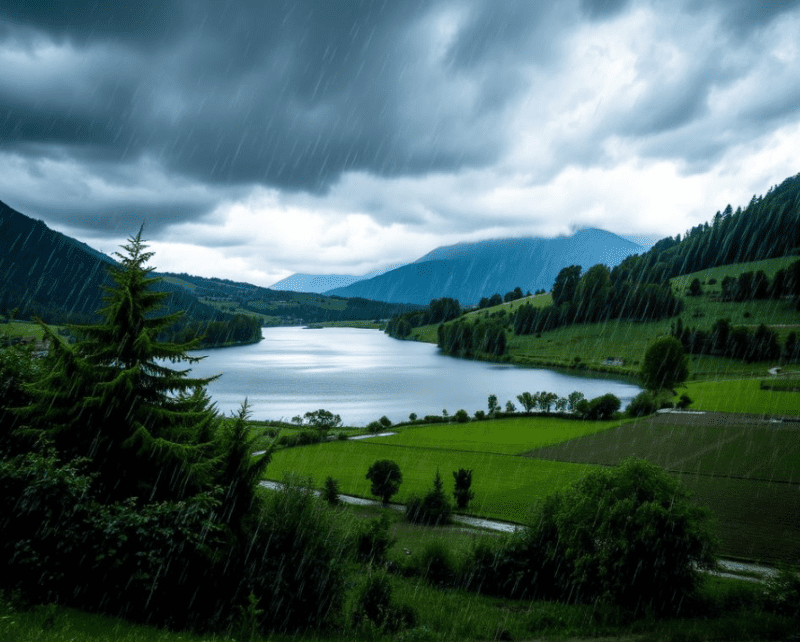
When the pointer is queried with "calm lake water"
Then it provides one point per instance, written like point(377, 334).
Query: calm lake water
point(363, 374)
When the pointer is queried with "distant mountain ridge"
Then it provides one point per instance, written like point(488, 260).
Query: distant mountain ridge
point(319, 283)
point(470, 271)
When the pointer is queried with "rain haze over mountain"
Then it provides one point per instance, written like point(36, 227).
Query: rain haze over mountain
point(258, 140)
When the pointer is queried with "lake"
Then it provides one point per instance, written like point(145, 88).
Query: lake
point(364, 374)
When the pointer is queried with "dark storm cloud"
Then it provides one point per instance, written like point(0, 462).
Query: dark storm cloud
point(219, 96)
point(602, 9)
point(287, 94)
point(744, 16)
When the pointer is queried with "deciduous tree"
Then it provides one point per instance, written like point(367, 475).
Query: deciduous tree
point(664, 364)
point(386, 478)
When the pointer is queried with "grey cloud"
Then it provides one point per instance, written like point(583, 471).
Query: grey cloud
point(603, 9)
point(288, 94)
point(745, 16)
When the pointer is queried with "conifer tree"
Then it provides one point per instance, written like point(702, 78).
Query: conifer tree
point(111, 397)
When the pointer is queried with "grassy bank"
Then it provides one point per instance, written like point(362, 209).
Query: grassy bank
point(589, 346)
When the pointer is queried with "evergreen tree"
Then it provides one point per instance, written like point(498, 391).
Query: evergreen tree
point(112, 398)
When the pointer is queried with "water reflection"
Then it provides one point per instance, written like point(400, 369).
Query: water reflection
point(363, 374)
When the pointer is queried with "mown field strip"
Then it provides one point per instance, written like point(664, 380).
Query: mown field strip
point(741, 395)
point(505, 486)
point(510, 436)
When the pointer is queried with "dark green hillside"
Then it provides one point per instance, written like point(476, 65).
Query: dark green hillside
point(768, 227)
point(49, 275)
point(282, 307)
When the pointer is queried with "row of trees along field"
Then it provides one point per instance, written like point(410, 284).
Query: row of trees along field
point(122, 491)
point(594, 296)
point(438, 311)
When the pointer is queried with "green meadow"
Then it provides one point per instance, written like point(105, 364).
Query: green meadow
point(747, 470)
point(742, 395)
point(589, 345)
point(507, 436)
point(505, 485)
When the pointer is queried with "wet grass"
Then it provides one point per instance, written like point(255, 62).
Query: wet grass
point(741, 396)
point(23, 329)
point(747, 473)
point(728, 610)
point(505, 486)
point(508, 436)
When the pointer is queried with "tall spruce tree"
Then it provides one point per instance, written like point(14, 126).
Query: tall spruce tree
point(112, 397)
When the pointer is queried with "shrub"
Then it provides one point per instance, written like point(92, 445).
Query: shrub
point(293, 560)
point(330, 491)
point(664, 364)
point(627, 535)
point(434, 509)
point(372, 540)
point(302, 438)
point(489, 569)
point(436, 564)
point(461, 416)
point(641, 405)
point(782, 593)
point(374, 427)
point(602, 407)
point(684, 402)
point(385, 422)
point(480, 415)
point(374, 605)
point(462, 492)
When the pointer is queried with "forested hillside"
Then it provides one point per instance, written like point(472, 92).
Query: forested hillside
point(768, 227)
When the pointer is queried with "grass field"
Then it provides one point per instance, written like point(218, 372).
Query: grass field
point(769, 266)
point(593, 343)
point(22, 329)
point(741, 395)
point(505, 486)
point(747, 471)
point(501, 436)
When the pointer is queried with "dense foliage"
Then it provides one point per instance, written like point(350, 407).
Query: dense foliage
point(467, 338)
point(594, 297)
point(123, 491)
point(386, 478)
point(664, 364)
point(433, 509)
point(627, 535)
point(438, 311)
point(768, 227)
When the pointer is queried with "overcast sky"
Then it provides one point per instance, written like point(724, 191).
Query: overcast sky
point(260, 138)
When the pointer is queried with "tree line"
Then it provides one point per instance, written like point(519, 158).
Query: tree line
point(438, 311)
point(595, 296)
point(737, 342)
point(768, 227)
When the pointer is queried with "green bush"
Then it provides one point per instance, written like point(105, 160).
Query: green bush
point(782, 593)
point(641, 405)
point(436, 564)
point(386, 478)
point(302, 438)
point(330, 491)
point(374, 605)
point(433, 509)
point(461, 416)
point(373, 540)
point(626, 535)
point(293, 560)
